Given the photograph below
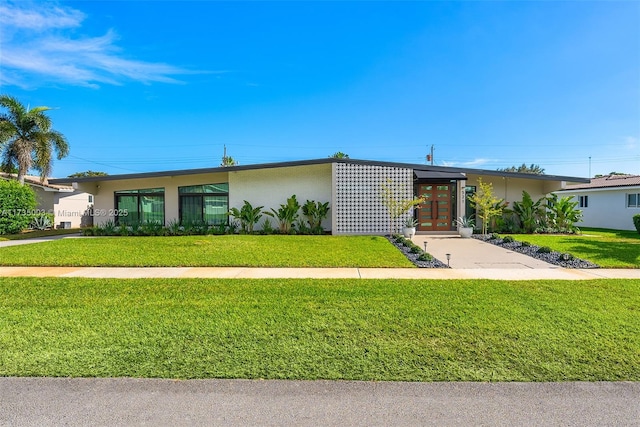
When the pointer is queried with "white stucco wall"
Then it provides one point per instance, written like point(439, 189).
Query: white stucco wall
point(271, 187)
point(607, 208)
point(73, 208)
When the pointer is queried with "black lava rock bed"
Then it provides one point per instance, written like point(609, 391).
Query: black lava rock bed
point(433, 263)
point(556, 258)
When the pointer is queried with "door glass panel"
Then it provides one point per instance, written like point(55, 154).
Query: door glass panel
point(443, 187)
point(443, 224)
point(426, 224)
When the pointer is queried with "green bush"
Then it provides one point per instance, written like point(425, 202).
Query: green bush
point(544, 250)
point(17, 205)
point(415, 249)
point(425, 257)
point(525, 244)
point(508, 239)
point(636, 222)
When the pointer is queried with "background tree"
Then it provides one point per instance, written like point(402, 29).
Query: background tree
point(610, 174)
point(87, 174)
point(27, 140)
point(487, 205)
point(339, 155)
point(227, 160)
point(523, 168)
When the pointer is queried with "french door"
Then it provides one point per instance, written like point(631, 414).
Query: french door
point(434, 214)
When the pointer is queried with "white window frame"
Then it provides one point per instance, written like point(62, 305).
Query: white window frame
point(626, 200)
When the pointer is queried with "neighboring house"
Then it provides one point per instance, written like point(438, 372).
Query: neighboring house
point(70, 208)
point(352, 188)
point(607, 202)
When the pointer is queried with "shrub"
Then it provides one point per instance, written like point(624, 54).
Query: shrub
point(508, 239)
point(544, 250)
point(425, 257)
point(17, 203)
point(525, 244)
point(267, 228)
point(415, 249)
point(494, 236)
point(636, 222)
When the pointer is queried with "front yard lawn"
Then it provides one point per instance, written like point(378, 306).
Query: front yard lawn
point(405, 330)
point(210, 251)
point(607, 248)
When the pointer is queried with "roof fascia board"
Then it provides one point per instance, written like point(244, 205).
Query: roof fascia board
point(318, 162)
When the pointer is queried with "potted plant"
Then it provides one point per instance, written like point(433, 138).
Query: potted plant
point(465, 226)
point(409, 229)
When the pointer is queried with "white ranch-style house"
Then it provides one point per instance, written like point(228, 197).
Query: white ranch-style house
point(352, 187)
point(609, 201)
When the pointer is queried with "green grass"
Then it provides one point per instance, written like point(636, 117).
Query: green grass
point(607, 248)
point(191, 251)
point(476, 330)
point(30, 234)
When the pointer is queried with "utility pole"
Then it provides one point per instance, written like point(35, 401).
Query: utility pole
point(430, 156)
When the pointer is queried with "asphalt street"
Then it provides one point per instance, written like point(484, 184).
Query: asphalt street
point(126, 402)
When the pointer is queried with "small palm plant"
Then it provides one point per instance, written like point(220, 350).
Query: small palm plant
point(247, 215)
point(286, 214)
point(315, 213)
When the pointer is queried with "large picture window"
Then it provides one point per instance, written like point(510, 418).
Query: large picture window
point(633, 200)
point(138, 206)
point(204, 203)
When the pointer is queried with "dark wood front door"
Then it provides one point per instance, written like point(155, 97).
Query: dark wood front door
point(434, 213)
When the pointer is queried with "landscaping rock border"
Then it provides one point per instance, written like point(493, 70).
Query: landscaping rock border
point(555, 258)
point(434, 263)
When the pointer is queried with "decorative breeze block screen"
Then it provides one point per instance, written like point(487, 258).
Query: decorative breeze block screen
point(358, 204)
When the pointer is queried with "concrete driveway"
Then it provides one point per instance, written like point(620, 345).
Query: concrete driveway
point(473, 253)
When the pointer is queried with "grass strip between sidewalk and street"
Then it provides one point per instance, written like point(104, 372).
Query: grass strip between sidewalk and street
point(210, 251)
point(455, 330)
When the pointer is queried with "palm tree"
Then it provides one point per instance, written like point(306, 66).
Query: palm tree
point(27, 140)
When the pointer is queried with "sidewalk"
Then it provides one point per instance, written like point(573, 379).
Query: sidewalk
point(319, 273)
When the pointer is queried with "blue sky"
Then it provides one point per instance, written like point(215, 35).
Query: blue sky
point(147, 86)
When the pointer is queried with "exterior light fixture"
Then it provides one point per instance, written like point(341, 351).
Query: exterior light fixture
point(425, 246)
point(448, 259)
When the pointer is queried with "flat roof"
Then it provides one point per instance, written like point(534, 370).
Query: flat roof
point(329, 160)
